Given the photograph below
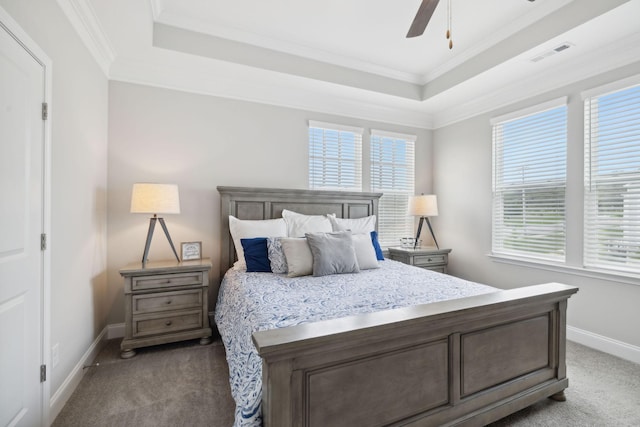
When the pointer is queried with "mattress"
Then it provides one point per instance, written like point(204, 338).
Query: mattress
point(250, 302)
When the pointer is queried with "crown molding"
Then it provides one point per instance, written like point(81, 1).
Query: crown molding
point(84, 20)
point(203, 45)
point(271, 43)
point(236, 85)
point(157, 7)
point(607, 58)
point(512, 28)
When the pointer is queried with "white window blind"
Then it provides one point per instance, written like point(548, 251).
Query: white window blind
point(335, 157)
point(612, 180)
point(392, 173)
point(529, 180)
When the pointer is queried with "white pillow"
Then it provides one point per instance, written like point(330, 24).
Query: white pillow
point(365, 253)
point(246, 229)
point(298, 224)
point(299, 257)
point(356, 225)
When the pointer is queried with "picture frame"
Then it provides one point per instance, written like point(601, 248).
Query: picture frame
point(190, 250)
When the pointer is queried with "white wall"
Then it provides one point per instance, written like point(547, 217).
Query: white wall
point(462, 181)
point(78, 182)
point(200, 142)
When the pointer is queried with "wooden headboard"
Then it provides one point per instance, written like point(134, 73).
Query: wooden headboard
point(268, 203)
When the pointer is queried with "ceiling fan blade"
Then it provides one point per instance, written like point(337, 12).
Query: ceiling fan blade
point(422, 18)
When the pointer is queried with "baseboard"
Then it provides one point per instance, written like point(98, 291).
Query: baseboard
point(602, 343)
point(115, 331)
point(64, 392)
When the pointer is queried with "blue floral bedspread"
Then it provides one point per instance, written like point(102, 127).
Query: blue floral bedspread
point(250, 302)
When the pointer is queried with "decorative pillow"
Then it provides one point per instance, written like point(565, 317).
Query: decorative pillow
point(359, 225)
point(244, 229)
point(298, 255)
point(356, 225)
point(298, 224)
point(256, 255)
point(333, 253)
point(365, 254)
point(376, 245)
point(276, 255)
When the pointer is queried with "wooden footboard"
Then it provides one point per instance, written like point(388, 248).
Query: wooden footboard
point(468, 361)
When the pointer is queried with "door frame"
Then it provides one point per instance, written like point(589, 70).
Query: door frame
point(21, 36)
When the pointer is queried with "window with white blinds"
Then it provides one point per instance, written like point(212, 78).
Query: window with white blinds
point(529, 181)
point(612, 180)
point(392, 173)
point(335, 157)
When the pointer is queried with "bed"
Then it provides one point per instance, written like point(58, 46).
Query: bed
point(465, 361)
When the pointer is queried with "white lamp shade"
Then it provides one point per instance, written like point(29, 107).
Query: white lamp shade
point(423, 205)
point(155, 198)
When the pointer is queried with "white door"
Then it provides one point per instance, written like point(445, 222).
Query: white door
point(21, 224)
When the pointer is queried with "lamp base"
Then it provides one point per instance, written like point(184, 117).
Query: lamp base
point(424, 218)
point(152, 226)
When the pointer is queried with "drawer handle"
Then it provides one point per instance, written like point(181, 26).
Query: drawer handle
point(167, 323)
point(168, 301)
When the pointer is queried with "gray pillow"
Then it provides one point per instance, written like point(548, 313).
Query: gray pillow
point(333, 253)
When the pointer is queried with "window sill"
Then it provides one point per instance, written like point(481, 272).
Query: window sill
point(618, 276)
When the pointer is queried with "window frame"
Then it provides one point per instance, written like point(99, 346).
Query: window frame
point(596, 226)
point(338, 163)
point(367, 162)
point(390, 230)
point(522, 247)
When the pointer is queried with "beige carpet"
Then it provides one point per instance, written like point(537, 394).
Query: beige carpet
point(187, 385)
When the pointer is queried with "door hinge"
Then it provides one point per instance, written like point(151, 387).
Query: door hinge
point(43, 373)
point(43, 242)
point(45, 111)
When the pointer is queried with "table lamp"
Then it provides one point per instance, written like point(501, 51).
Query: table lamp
point(424, 206)
point(155, 199)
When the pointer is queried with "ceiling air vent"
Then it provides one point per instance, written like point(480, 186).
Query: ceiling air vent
point(562, 47)
point(548, 53)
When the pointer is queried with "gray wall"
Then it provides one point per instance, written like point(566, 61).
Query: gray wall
point(462, 181)
point(200, 142)
point(78, 183)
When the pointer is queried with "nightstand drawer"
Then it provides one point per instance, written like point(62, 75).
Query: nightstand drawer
point(180, 321)
point(422, 260)
point(176, 300)
point(166, 281)
point(428, 258)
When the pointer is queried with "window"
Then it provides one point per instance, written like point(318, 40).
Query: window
point(335, 157)
point(612, 179)
point(529, 181)
point(335, 163)
point(392, 173)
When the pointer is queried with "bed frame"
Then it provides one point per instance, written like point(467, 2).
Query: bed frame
point(468, 361)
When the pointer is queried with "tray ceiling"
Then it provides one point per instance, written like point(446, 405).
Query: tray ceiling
point(352, 58)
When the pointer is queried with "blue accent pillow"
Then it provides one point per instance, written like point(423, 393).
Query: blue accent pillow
point(376, 246)
point(256, 255)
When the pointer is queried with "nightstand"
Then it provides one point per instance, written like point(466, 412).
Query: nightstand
point(429, 258)
point(166, 301)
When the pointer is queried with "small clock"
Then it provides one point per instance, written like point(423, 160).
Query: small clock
point(191, 250)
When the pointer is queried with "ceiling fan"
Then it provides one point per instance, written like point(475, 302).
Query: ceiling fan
point(425, 11)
